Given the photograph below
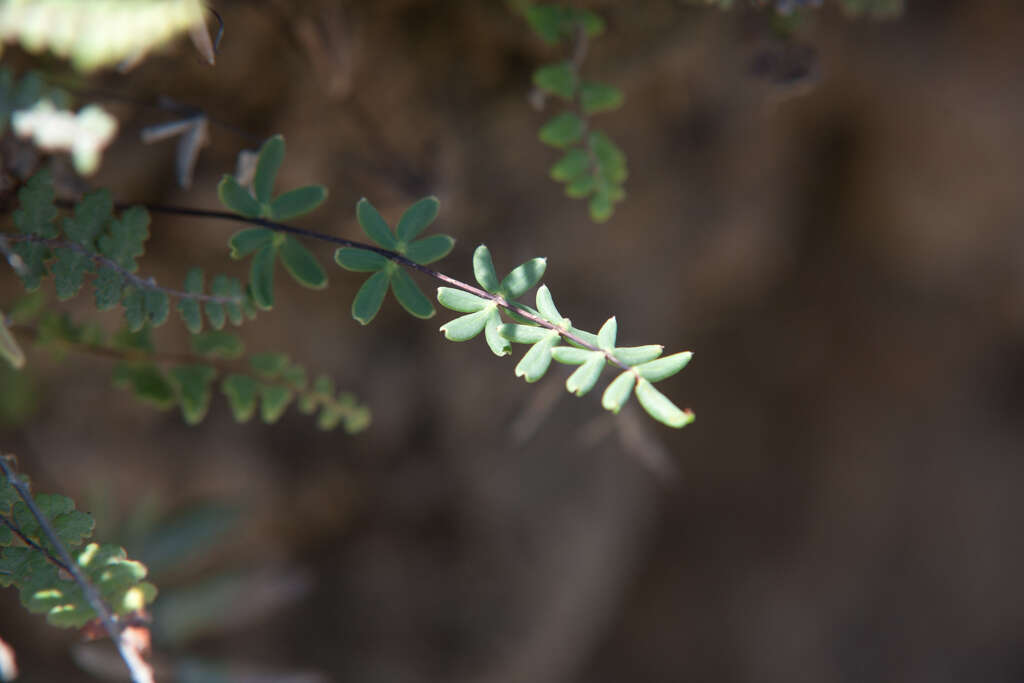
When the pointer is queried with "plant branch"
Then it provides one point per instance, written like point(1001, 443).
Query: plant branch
point(137, 281)
point(140, 671)
point(401, 260)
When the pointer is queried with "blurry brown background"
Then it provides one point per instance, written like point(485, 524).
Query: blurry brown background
point(844, 255)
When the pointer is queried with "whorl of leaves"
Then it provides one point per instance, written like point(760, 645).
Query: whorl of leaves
point(592, 166)
point(28, 561)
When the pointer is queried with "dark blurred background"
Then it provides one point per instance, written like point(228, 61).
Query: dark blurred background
point(832, 221)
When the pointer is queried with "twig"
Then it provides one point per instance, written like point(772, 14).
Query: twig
point(141, 672)
point(137, 281)
point(401, 260)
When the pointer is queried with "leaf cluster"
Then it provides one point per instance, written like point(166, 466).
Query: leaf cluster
point(592, 165)
point(263, 244)
point(28, 561)
point(386, 272)
point(551, 336)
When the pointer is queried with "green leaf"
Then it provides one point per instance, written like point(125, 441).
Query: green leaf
point(297, 202)
point(465, 327)
point(657, 370)
point(618, 392)
point(553, 22)
point(241, 392)
point(271, 156)
point(192, 384)
point(236, 198)
point(635, 355)
point(90, 217)
point(146, 381)
point(295, 376)
point(275, 401)
point(585, 377)
point(373, 225)
point(229, 287)
point(611, 159)
point(134, 304)
point(215, 313)
point(416, 219)
point(107, 288)
point(245, 242)
point(36, 212)
point(127, 235)
point(660, 407)
point(261, 277)
point(558, 79)
point(483, 269)
point(359, 260)
point(546, 306)
point(573, 164)
point(302, 265)
point(409, 295)
point(580, 186)
point(269, 364)
point(498, 344)
point(9, 349)
point(370, 296)
point(69, 272)
point(429, 249)
point(189, 308)
point(598, 97)
point(524, 334)
point(563, 130)
point(536, 361)
point(458, 300)
point(570, 355)
point(600, 207)
point(157, 306)
point(222, 344)
point(33, 256)
point(523, 277)
point(606, 335)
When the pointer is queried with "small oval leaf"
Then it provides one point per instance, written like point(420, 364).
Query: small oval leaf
point(302, 265)
point(660, 407)
point(537, 360)
point(546, 306)
point(483, 269)
point(499, 345)
point(465, 327)
point(416, 218)
point(524, 334)
point(271, 156)
point(558, 79)
point(657, 370)
point(570, 355)
point(563, 130)
point(236, 198)
point(635, 355)
point(261, 277)
point(370, 296)
point(359, 260)
point(523, 277)
point(598, 97)
point(297, 202)
point(246, 241)
point(606, 335)
point(618, 392)
point(429, 249)
point(373, 224)
point(410, 296)
point(458, 300)
point(585, 376)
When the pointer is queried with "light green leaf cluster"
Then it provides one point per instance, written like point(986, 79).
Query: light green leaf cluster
point(43, 587)
point(641, 366)
point(592, 166)
point(263, 244)
point(96, 33)
point(236, 307)
point(386, 273)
